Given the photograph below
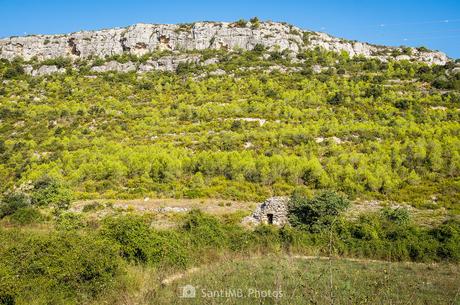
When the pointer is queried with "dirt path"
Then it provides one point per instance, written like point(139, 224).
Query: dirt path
point(211, 206)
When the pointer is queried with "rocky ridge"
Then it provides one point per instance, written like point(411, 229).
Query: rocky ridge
point(141, 39)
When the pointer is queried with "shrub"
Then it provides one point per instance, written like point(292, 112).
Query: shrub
point(133, 235)
point(259, 48)
point(403, 104)
point(141, 244)
point(185, 68)
point(267, 238)
point(255, 22)
point(314, 214)
point(48, 191)
point(14, 70)
point(397, 215)
point(70, 221)
point(55, 268)
point(241, 23)
point(337, 99)
point(423, 49)
point(12, 202)
point(442, 82)
point(26, 215)
point(60, 62)
point(275, 56)
point(204, 230)
point(448, 234)
point(94, 206)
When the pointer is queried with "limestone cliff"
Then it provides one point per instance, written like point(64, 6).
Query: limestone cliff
point(140, 39)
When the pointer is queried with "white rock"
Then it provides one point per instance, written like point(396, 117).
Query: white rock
point(140, 39)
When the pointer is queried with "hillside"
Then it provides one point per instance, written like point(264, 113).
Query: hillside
point(234, 124)
point(141, 39)
point(130, 157)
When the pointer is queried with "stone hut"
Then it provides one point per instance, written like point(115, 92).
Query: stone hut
point(274, 211)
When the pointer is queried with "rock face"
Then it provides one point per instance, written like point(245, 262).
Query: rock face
point(43, 70)
point(354, 48)
point(115, 66)
point(140, 39)
point(169, 63)
point(274, 211)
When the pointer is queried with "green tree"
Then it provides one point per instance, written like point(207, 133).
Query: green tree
point(317, 213)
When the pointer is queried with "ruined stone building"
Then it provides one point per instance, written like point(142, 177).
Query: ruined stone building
point(274, 211)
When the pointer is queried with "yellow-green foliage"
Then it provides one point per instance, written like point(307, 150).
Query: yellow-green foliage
point(373, 130)
point(55, 268)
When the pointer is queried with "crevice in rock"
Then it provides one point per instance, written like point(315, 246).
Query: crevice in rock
point(73, 47)
point(141, 45)
point(124, 46)
point(163, 39)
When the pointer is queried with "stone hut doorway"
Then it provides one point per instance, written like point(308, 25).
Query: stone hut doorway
point(270, 219)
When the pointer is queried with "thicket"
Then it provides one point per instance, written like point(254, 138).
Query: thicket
point(57, 268)
point(360, 126)
point(72, 265)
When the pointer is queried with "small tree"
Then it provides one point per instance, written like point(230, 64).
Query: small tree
point(255, 22)
point(241, 23)
point(317, 213)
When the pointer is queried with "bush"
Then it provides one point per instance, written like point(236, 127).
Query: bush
point(204, 230)
point(267, 238)
point(133, 235)
point(55, 268)
point(26, 215)
point(70, 221)
point(94, 206)
point(259, 48)
point(314, 214)
point(337, 99)
point(12, 202)
point(14, 70)
point(255, 22)
point(141, 244)
point(448, 234)
point(48, 191)
point(60, 62)
point(442, 82)
point(397, 215)
point(241, 23)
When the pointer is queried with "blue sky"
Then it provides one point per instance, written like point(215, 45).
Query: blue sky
point(435, 24)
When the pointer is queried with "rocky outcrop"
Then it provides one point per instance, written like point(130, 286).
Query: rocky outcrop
point(141, 39)
point(354, 48)
point(43, 70)
point(165, 63)
point(114, 66)
point(169, 63)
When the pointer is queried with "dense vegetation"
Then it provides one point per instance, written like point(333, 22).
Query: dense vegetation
point(73, 258)
point(318, 125)
point(363, 127)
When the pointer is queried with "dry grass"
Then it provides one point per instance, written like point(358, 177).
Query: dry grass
point(308, 281)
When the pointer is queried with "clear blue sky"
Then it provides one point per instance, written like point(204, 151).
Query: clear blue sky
point(435, 24)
